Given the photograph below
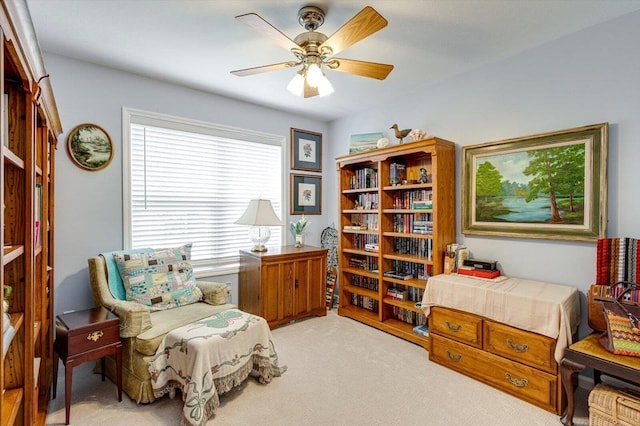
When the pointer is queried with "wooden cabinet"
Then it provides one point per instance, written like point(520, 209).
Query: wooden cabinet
point(29, 126)
point(518, 362)
point(283, 284)
point(397, 214)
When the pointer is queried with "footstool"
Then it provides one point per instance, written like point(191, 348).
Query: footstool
point(209, 357)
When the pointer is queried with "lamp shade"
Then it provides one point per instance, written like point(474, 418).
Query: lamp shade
point(259, 213)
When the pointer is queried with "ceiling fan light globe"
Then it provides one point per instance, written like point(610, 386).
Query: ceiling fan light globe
point(296, 85)
point(314, 75)
point(325, 88)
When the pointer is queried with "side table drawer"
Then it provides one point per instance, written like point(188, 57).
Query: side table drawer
point(462, 327)
point(528, 348)
point(93, 339)
point(83, 331)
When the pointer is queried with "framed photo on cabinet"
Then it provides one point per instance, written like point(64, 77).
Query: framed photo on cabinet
point(90, 147)
point(306, 194)
point(306, 150)
point(551, 185)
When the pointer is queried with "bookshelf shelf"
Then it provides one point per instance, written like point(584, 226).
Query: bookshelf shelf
point(425, 211)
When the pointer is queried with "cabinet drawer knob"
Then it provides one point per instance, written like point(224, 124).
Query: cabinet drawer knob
point(453, 327)
point(519, 383)
point(517, 348)
point(94, 336)
point(454, 358)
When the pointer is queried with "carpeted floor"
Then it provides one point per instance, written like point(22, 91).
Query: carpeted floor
point(340, 372)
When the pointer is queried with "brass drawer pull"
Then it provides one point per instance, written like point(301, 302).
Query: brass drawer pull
point(94, 336)
point(517, 348)
point(519, 383)
point(454, 358)
point(453, 327)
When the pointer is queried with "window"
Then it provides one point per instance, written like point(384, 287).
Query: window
point(188, 181)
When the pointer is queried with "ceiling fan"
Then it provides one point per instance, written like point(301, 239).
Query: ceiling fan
point(314, 50)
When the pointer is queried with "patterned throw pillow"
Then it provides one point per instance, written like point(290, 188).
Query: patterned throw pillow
point(161, 279)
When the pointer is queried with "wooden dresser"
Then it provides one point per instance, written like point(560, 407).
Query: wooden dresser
point(487, 335)
point(284, 283)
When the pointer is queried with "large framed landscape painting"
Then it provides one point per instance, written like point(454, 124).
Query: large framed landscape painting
point(551, 185)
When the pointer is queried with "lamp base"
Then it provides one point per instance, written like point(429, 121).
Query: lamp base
point(259, 248)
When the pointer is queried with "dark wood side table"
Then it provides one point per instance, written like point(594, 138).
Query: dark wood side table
point(85, 336)
point(588, 352)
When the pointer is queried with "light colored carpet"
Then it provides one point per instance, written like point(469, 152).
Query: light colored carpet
point(340, 372)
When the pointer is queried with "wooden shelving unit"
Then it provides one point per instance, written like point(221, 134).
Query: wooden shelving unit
point(29, 127)
point(391, 221)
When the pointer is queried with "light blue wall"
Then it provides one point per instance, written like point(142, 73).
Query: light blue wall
point(590, 77)
point(89, 204)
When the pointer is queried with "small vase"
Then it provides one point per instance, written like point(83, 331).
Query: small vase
point(299, 240)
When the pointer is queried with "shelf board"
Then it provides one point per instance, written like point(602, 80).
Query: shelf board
point(407, 211)
point(404, 304)
point(359, 190)
point(408, 235)
point(361, 252)
point(422, 284)
point(361, 291)
point(11, 253)
point(405, 331)
point(360, 211)
point(359, 231)
point(11, 158)
point(36, 331)
point(11, 401)
point(361, 272)
point(360, 314)
point(407, 258)
point(408, 186)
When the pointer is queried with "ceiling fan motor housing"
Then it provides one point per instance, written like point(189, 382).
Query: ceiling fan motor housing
point(311, 17)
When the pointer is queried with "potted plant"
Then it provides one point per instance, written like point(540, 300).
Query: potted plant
point(298, 230)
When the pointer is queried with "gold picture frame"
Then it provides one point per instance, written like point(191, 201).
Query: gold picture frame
point(90, 147)
point(550, 185)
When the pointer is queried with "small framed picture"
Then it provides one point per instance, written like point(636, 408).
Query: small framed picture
point(306, 194)
point(306, 150)
point(90, 147)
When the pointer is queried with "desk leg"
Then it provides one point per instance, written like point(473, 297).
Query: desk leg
point(56, 360)
point(119, 370)
point(68, 380)
point(568, 373)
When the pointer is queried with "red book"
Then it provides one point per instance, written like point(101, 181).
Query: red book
point(480, 273)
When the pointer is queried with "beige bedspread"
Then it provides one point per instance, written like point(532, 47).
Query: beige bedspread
point(211, 356)
point(549, 309)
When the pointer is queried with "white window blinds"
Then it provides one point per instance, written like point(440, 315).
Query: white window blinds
point(190, 181)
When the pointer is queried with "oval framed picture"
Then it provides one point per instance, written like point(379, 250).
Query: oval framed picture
point(90, 147)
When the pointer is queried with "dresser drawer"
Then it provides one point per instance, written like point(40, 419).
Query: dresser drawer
point(83, 331)
point(527, 383)
point(528, 348)
point(466, 328)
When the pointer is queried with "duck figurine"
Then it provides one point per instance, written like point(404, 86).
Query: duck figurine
point(400, 134)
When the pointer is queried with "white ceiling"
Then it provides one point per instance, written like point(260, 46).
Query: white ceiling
point(196, 43)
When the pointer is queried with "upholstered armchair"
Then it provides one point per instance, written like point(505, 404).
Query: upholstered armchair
point(141, 328)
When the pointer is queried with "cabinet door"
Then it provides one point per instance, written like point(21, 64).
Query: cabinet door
point(317, 269)
point(271, 291)
point(301, 286)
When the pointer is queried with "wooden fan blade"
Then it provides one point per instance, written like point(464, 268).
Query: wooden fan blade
point(362, 68)
point(266, 29)
point(264, 68)
point(363, 24)
point(309, 91)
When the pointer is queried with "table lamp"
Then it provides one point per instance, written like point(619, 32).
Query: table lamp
point(259, 215)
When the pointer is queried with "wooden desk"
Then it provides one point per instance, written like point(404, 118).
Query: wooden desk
point(589, 353)
point(85, 336)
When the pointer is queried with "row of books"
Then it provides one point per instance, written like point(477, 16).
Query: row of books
point(368, 201)
point(364, 221)
point(413, 246)
point(364, 302)
point(417, 200)
point(418, 270)
point(364, 262)
point(411, 317)
point(364, 178)
point(411, 223)
point(364, 282)
point(401, 292)
point(359, 241)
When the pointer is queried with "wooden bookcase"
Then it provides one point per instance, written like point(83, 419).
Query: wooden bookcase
point(391, 221)
point(29, 127)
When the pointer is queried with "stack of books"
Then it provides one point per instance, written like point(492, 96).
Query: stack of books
point(398, 275)
point(372, 247)
point(397, 293)
point(479, 268)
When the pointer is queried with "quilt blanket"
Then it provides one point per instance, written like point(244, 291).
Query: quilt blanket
point(209, 357)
